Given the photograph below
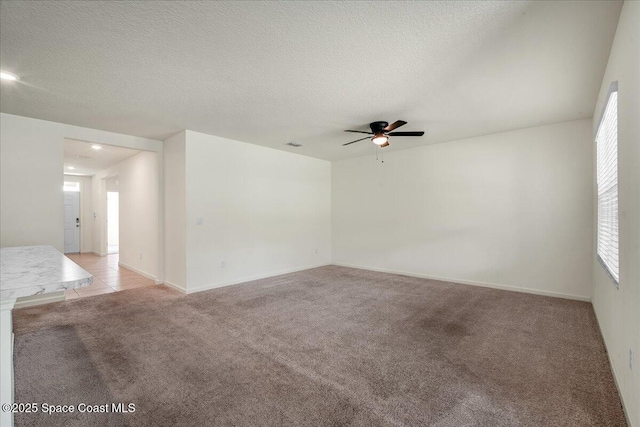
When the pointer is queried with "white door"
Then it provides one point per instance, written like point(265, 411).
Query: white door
point(71, 222)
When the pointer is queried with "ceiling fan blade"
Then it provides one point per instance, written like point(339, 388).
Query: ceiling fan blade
point(386, 144)
point(406, 133)
point(395, 125)
point(359, 131)
point(355, 141)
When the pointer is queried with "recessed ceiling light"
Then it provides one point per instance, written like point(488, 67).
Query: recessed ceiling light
point(8, 76)
point(96, 147)
point(70, 168)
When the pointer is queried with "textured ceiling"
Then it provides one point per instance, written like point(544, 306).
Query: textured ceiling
point(273, 72)
point(88, 161)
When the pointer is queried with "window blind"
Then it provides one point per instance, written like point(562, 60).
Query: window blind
point(607, 179)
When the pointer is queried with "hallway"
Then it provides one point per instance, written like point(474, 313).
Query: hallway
point(108, 276)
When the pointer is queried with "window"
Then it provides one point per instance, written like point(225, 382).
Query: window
point(607, 179)
point(71, 186)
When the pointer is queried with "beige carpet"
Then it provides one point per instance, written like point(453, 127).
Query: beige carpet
point(330, 346)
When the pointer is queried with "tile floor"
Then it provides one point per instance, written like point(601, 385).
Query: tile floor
point(108, 276)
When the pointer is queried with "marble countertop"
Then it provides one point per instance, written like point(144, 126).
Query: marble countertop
point(36, 270)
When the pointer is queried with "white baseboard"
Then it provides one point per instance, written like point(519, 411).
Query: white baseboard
point(98, 253)
point(39, 300)
point(243, 280)
point(615, 373)
point(402, 273)
point(471, 282)
point(144, 273)
point(174, 286)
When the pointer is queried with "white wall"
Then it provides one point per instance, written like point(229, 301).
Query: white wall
point(99, 206)
point(113, 211)
point(86, 211)
point(31, 169)
point(138, 193)
point(113, 218)
point(509, 210)
point(175, 233)
point(31, 176)
point(263, 211)
point(618, 309)
point(112, 184)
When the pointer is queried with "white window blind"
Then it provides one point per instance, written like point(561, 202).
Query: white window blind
point(607, 178)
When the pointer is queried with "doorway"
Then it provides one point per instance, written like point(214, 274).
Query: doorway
point(71, 220)
point(113, 222)
point(135, 176)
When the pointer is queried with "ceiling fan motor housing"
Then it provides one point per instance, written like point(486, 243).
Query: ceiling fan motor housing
point(378, 127)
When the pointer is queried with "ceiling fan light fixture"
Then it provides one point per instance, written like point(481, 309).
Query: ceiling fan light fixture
point(380, 139)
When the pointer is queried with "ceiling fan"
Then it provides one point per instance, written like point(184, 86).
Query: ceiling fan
point(381, 132)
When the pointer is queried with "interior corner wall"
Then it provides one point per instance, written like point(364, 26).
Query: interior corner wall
point(253, 211)
point(618, 308)
point(31, 176)
point(138, 186)
point(175, 234)
point(86, 210)
point(510, 210)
